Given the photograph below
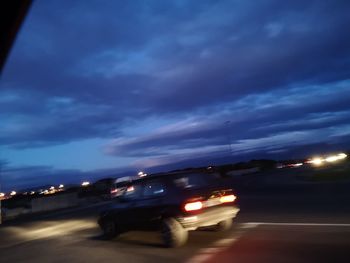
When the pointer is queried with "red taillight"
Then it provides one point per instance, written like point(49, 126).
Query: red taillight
point(130, 189)
point(227, 198)
point(193, 206)
point(113, 191)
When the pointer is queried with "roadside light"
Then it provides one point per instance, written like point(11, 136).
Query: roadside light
point(13, 193)
point(52, 188)
point(86, 183)
point(332, 158)
point(61, 186)
point(2, 195)
point(317, 161)
point(342, 155)
point(32, 192)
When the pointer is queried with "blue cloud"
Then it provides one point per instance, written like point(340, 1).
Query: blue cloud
point(159, 79)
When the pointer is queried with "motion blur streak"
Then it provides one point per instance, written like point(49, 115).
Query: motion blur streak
point(52, 229)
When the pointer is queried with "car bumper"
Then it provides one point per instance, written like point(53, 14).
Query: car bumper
point(208, 218)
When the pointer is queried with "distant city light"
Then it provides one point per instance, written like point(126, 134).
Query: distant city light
point(86, 183)
point(2, 195)
point(342, 155)
point(329, 159)
point(32, 192)
point(317, 161)
point(52, 188)
point(13, 193)
point(61, 186)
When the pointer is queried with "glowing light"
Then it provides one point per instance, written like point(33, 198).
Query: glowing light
point(342, 155)
point(52, 188)
point(317, 161)
point(13, 193)
point(142, 174)
point(193, 206)
point(86, 183)
point(32, 192)
point(328, 159)
point(113, 191)
point(2, 195)
point(61, 186)
point(332, 158)
point(130, 189)
point(227, 198)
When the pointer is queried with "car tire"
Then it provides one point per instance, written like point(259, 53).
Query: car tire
point(223, 225)
point(173, 234)
point(109, 229)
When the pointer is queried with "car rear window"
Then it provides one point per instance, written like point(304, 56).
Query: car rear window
point(153, 189)
point(133, 192)
point(186, 181)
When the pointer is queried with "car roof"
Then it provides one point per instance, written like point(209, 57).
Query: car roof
point(167, 175)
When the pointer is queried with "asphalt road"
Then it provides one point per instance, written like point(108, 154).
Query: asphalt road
point(270, 228)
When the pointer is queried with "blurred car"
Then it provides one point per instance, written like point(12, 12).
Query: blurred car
point(119, 186)
point(172, 204)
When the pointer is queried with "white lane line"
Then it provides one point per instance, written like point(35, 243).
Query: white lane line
point(254, 224)
point(207, 253)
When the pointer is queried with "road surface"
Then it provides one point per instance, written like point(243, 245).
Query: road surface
point(271, 228)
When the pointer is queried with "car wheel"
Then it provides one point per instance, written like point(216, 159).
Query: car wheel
point(223, 225)
point(109, 229)
point(173, 234)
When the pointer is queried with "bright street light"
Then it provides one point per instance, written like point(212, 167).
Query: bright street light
point(86, 183)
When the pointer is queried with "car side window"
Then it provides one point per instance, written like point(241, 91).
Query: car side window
point(154, 189)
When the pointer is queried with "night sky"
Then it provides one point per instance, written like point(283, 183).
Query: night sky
point(94, 88)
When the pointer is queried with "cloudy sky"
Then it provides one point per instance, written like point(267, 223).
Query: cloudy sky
point(95, 87)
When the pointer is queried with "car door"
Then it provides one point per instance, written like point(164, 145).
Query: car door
point(149, 207)
point(130, 215)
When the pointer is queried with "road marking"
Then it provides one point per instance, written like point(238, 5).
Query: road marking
point(207, 253)
point(254, 224)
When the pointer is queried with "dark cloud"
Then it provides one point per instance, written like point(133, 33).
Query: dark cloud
point(161, 78)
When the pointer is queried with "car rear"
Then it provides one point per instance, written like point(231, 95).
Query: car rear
point(204, 201)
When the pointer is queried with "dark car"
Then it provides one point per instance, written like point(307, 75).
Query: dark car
point(172, 204)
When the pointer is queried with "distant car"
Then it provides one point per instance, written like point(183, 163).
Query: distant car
point(172, 204)
point(120, 185)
